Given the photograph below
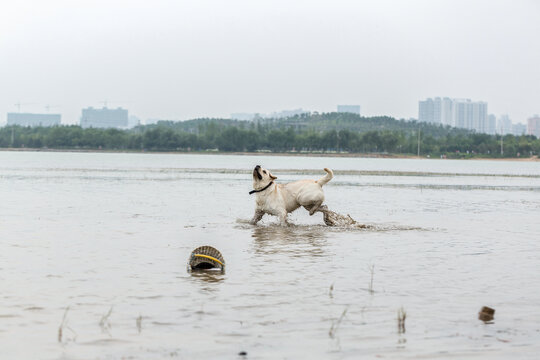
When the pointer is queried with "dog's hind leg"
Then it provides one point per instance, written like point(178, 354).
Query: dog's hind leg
point(257, 217)
point(314, 208)
point(326, 218)
point(326, 215)
point(323, 209)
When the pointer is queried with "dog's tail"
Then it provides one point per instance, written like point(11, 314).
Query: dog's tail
point(326, 178)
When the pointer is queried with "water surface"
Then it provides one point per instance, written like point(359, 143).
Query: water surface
point(95, 231)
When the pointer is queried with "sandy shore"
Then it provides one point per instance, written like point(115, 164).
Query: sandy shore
point(337, 155)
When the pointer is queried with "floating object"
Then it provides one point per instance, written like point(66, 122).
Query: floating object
point(486, 314)
point(206, 258)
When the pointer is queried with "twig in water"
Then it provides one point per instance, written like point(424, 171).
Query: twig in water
point(335, 324)
point(372, 271)
point(63, 325)
point(401, 316)
point(138, 321)
point(104, 323)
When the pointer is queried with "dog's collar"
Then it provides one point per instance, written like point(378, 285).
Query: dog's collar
point(264, 188)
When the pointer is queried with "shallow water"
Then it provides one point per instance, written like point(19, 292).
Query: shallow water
point(94, 231)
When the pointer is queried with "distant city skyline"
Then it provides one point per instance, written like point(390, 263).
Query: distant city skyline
point(445, 112)
point(188, 59)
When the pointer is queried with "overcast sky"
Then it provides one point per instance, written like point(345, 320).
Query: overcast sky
point(185, 59)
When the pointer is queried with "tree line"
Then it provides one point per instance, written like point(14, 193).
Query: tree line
point(386, 136)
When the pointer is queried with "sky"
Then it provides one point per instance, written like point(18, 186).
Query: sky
point(180, 60)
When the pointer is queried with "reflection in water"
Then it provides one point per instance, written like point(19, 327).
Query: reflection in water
point(208, 277)
point(296, 240)
point(438, 242)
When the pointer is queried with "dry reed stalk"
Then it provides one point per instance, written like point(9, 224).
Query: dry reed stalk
point(138, 321)
point(401, 316)
point(62, 325)
point(104, 323)
point(372, 272)
point(335, 325)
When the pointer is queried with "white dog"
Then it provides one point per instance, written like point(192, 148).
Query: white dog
point(279, 200)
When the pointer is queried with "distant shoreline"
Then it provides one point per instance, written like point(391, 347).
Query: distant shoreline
point(307, 154)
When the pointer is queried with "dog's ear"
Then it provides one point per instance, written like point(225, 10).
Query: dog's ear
point(272, 176)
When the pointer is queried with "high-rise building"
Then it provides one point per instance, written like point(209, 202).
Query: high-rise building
point(425, 111)
point(480, 117)
point(492, 124)
point(470, 115)
point(104, 118)
point(430, 111)
point(27, 119)
point(461, 113)
point(504, 124)
point(354, 109)
point(533, 126)
point(443, 111)
point(446, 112)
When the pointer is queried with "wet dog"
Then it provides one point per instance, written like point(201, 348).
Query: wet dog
point(281, 199)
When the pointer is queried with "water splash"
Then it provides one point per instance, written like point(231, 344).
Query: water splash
point(340, 223)
point(332, 218)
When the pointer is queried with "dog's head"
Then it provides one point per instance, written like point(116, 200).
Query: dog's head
point(262, 177)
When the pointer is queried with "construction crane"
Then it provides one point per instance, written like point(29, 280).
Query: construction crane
point(19, 104)
point(48, 107)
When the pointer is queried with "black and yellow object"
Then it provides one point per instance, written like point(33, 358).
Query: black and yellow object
point(206, 258)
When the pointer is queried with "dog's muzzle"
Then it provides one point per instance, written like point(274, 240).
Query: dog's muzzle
point(256, 172)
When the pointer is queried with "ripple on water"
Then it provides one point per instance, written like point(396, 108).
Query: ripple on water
point(135, 236)
point(299, 229)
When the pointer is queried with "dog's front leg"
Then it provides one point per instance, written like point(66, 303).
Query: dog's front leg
point(283, 218)
point(257, 217)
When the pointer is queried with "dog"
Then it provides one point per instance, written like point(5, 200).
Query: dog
point(281, 199)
